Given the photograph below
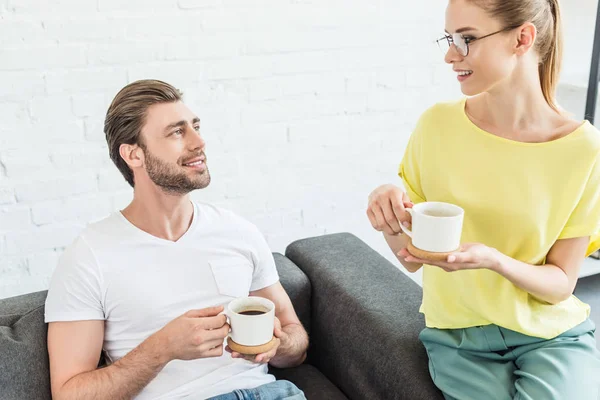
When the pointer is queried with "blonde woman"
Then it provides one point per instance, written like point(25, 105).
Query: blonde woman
point(502, 321)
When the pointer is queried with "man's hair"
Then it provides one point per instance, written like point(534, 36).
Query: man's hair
point(127, 115)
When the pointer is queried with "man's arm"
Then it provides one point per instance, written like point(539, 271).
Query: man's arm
point(75, 347)
point(293, 337)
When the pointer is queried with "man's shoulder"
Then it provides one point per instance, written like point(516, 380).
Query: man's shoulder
point(96, 234)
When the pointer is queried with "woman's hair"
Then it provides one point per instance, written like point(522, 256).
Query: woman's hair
point(545, 15)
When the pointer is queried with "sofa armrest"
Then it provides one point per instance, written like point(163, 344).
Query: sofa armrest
point(365, 320)
point(297, 286)
point(24, 367)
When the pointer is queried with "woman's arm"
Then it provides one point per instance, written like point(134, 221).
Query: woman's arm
point(552, 282)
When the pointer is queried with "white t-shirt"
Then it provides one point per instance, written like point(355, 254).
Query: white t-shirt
point(137, 283)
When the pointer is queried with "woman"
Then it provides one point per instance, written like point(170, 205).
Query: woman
point(502, 322)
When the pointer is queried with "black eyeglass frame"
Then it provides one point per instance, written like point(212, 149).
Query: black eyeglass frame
point(450, 39)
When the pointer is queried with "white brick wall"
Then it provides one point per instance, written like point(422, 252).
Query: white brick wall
point(306, 106)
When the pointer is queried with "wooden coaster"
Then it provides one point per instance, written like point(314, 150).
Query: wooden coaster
point(427, 255)
point(250, 350)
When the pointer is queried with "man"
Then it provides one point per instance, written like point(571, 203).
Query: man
point(147, 285)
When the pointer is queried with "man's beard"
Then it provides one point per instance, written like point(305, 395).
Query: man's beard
point(172, 179)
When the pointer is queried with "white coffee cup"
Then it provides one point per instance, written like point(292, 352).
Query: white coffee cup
point(436, 226)
point(251, 330)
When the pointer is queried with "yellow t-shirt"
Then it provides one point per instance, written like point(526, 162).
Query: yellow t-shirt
point(518, 198)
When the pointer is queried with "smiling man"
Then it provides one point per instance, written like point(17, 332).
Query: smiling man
point(147, 284)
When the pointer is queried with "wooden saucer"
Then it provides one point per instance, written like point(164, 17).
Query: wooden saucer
point(250, 350)
point(427, 255)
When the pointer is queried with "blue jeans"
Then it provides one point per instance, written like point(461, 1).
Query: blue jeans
point(278, 390)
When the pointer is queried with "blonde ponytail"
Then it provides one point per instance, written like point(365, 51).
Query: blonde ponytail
point(550, 65)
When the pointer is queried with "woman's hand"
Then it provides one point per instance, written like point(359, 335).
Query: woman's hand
point(387, 209)
point(470, 256)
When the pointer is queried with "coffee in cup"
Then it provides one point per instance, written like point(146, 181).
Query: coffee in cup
point(436, 227)
point(252, 320)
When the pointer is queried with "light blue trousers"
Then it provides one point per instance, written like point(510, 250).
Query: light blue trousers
point(493, 363)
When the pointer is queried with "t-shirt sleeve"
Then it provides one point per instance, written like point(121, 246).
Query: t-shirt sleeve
point(74, 293)
point(585, 218)
point(265, 272)
point(409, 170)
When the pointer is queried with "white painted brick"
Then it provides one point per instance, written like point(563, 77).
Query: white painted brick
point(293, 63)
point(296, 41)
point(90, 105)
point(18, 85)
point(47, 109)
point(181, 74)
point(80, 157)
point(174, 26)
point(54, 7)
point(191, 4)
point(55, 188)
point(121, 199)
point(136, 5)
point(317, 84)
point(417, 77)
point(223, 20)
point(59, 132)
point(94, 129)
point(43, 264)
point(22, 32)
point(21, 163)
point(42, 238)
point(241, 67)
point(111, 180)
point(391, 79)
point(265, 89)
point(7, 195)
point(12, 267)
point(84, 208)
point(42, 57)
point(124, 53)
point(203, 47)
point(109, 80)
point(86, 29)
point(14, 115)
point(14, 218)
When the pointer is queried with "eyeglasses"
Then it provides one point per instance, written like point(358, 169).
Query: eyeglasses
point(462, 42)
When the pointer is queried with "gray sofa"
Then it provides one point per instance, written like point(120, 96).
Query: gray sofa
point(360, 311)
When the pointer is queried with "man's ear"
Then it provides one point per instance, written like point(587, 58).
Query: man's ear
point(132, 154)
point(526, 37)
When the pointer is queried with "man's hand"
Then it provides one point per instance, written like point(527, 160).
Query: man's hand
point(281, 338)
point(195, 334)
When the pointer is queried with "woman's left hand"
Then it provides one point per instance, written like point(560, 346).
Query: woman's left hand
point(470, 256)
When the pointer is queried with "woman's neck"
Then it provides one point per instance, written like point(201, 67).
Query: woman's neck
point(516, 109)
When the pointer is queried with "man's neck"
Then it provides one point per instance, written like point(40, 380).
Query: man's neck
point(165, 216)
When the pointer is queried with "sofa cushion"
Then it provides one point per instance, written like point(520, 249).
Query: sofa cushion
point(24, 370)
point(312, 382)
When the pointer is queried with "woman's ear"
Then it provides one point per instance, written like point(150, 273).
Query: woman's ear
point(526, 35)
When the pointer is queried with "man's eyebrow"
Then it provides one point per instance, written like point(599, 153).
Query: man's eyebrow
point(181, 123)
point(175, 125)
